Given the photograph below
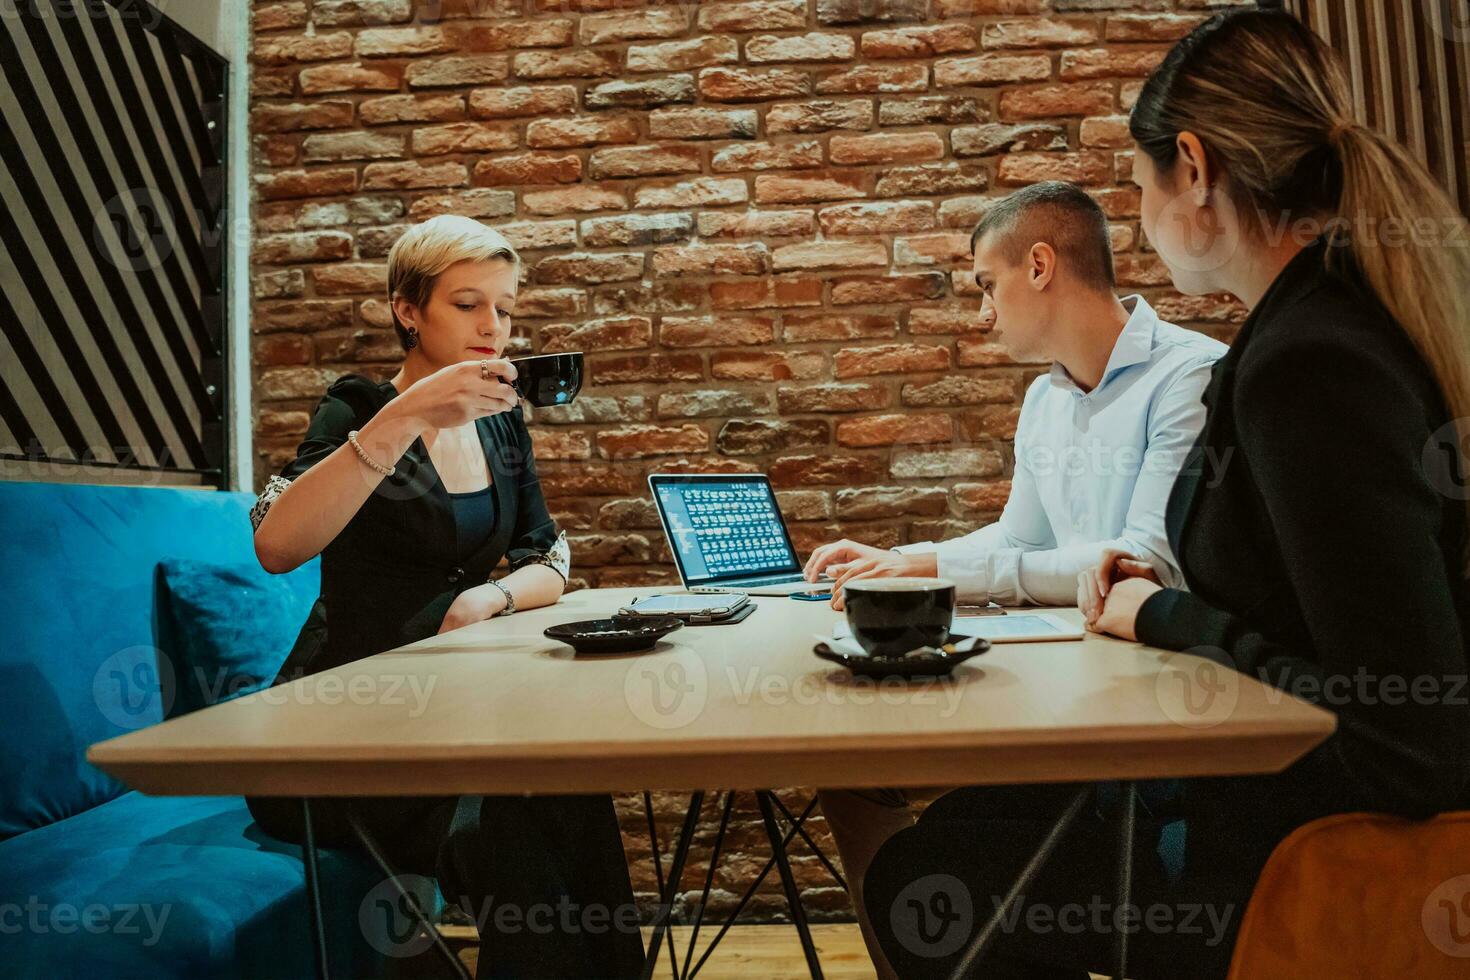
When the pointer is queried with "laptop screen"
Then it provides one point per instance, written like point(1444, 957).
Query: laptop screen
point(723, 527)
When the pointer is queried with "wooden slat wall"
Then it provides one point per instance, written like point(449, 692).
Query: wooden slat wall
point(1409, 64)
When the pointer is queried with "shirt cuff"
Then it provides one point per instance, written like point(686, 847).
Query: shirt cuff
point(969, 571)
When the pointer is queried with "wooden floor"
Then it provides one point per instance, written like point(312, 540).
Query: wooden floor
point(746, 953)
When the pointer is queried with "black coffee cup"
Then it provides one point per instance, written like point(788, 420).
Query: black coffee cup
point(891, 616)
point(546, 380)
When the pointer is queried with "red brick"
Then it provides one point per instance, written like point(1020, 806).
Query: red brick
point(409, 176)
point(1110, 63)
point(856, 11)
point(702, 123)
point(930, 109)
point(857, 397)
point(1151, 27)
point(886, 148)
point(755, 224)
point(411, 108)
point(647, 369)
point(278, 16)
point(877, 503)
point(305, 314)
point(398, 42)
point(1207, 309)
point(767, 365)
point(350, 277)
point(932, 178)
point(767, 156)
point(644, 161)
point(874, 78)
point(701, 191)
point(940, 463)
point(991, 69)
point(562, 445)
point(1106, 131)
point(464, 137)
point(1066, 99)
point(819, 116)
point(529, 168)
point(305, 183)
point(711, 260)
point(586, 267)
point(829, 255)
point(992, 138)
point(918, 42)
point(743, 85)
point(877, 218)
point(716, 331)
point(938, 248)
point(535, 302)
point(825, 470)
point(350, 78)
point(470, 69)
point(613, 333)
point(637, 229)
point(321, 246)
point(827, 185)
point(699, 52)
point(566, 64)
point(641, 93)
point(569, 199)
point(276, 350)
point(956, 390)
point(334, 13)
point(633, 25)
point(580, 131)
point(858, 362)
point(750, 437)
point(265, 85)
point(532, 100)
point(807, 327)
point(1038, 32)
point(988, 497)
point(281, 49)
point(323, 114)
point(748, 294)
point(765, 48)
point(651, 440)
point(887, 289)
point(758, 15)
point(1088, 167)
point(946, 320)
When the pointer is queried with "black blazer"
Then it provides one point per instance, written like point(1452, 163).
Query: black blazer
point(1322, 554)
point(391, 575)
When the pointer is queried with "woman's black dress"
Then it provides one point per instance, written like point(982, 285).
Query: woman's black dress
point(388, 579)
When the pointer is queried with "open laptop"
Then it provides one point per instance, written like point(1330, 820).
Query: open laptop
point(727, 534)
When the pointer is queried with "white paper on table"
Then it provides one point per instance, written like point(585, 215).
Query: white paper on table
point(1021, 627)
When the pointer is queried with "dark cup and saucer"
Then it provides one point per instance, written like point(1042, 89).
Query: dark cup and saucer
point(902, 627)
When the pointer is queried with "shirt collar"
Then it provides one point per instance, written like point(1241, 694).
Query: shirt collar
point(1134, 345)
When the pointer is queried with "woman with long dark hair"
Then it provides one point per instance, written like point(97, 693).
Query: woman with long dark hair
point(1324, 544)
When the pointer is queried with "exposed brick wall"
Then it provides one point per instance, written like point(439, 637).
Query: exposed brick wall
point(753, 216)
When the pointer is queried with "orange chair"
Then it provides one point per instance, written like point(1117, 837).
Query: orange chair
point(1362, 895)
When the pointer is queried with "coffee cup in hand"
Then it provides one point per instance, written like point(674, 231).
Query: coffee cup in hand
point(546, 380)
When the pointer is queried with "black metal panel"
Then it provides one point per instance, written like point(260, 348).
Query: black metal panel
point(112, 268)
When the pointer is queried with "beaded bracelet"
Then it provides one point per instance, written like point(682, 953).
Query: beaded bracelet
point(362, 454)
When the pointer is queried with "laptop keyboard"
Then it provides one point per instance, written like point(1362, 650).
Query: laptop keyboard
point(784, 579)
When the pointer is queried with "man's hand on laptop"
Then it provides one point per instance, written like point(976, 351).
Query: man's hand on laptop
point(838, 553)
point(867, 562)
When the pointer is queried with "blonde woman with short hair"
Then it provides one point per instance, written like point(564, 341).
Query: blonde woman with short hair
point(413, 490)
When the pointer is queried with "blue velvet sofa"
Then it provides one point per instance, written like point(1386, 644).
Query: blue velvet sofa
point(96, 880)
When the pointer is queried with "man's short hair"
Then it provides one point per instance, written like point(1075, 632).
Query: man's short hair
point(1065, 217)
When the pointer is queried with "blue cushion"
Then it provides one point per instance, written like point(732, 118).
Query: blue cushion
point(80, 660)
point(227, 628)
point(181, 887)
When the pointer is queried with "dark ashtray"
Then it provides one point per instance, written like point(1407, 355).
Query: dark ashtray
point(933, 663)
point(620, 634)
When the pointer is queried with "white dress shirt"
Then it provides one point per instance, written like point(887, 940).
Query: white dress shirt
point(1093, 470)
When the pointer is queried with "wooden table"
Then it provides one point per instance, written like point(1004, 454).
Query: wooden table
point(498, 708)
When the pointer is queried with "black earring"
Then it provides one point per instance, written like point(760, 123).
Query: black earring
point(412, 341)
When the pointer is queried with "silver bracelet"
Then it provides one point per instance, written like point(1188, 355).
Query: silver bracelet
point(362, 454)
point(510, 600)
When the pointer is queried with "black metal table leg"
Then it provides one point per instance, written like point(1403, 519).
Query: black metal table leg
point(980, 943)
point(1127, 809)
point(788, 882)
point(409, 899)
point(314, 894)
point(671, 886)
point(658, 872)
point(709, 880)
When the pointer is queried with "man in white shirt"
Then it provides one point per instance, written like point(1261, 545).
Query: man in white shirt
point(1101, 437)
point(1098, 445)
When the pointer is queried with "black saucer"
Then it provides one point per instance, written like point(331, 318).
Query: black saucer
point(620, 634)
point(923, 665)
